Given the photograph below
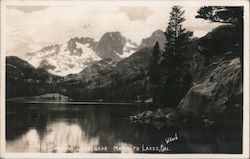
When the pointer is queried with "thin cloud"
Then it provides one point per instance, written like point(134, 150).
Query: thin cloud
point(57, 24)
point(136, 12)
point(27, 9)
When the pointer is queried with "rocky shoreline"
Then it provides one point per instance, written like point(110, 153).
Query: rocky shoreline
point(158, 118)
point(205, 104)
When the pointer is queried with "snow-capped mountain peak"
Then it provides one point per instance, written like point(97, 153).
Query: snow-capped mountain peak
point(67, 58)
point(78, 53)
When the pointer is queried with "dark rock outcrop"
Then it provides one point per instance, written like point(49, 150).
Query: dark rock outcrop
point(221, 89)
point(217, 76)
point(221, 40)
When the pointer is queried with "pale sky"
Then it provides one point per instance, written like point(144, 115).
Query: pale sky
point(29, 28)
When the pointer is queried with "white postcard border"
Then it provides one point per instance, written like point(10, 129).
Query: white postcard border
point(245, 141)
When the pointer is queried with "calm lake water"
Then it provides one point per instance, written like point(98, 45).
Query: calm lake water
point(104, 128)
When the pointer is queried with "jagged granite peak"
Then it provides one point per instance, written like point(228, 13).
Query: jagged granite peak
point(157, 35)
point(78, 53)
point(72, 44)
point(114, 45)
point(66, 58)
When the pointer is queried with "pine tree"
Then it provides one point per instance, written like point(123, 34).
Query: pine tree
point(228, 14)
point(154, 72)
point(177, 40)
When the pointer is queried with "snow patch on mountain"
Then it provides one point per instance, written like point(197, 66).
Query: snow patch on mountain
point(78, 53)
point(128, 49)
point(64, 59)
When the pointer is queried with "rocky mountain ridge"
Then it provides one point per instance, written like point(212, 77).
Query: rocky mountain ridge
point(116, 46)
point(78, 53)
point(127, 79)
point(22, 79)
point(157, 35)
point(63, 59)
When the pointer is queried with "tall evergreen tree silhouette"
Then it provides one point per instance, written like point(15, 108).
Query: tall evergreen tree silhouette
point(154, 72)
point(174, 72)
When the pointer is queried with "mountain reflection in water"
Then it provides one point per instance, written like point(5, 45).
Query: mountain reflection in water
point(59, 137)
point(72, 128)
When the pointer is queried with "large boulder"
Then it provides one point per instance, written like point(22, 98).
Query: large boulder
point(221, 90)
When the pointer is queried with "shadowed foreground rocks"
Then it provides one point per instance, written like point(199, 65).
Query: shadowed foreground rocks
point(216, 99)
point(165, 117)
point(220, 94)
